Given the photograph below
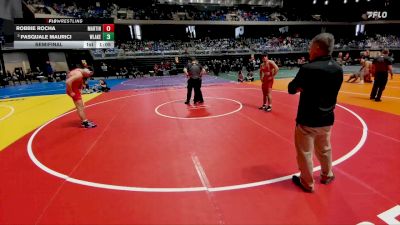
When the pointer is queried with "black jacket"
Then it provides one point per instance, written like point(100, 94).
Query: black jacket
point(320, 82)
point(382, 64)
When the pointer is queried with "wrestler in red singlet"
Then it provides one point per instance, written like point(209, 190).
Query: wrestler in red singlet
point(74, 85)
point(268, 78)
point(268, 70)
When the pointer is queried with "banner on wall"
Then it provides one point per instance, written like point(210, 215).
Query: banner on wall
point(16, 60)
point(58, 61)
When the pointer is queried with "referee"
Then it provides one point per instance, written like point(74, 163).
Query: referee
point(194, 72)
point(381, 67)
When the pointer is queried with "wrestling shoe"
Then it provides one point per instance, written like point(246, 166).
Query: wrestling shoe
point(88, 124)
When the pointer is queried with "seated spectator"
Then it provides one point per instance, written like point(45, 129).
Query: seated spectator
point(339, 59)
point(347, 59)
point(16, 76)
point(3, 79)
point(249, 77)
point(28, 76)
point(240, 76)
point(301, 61)
point(135, 72)
point(9, 76)
point(101, 86)
point(124, 72)
point(38, 74)
point(86, 88)
point(20, 73)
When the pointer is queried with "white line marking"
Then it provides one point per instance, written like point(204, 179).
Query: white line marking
point(288, 177)
point(154, 85)
point(200, 171)
point(390, 216)
point(206, 183)
point(360, 143)
point(346, 92)
point(26, 93)
point(388, 86)
point(355, 93)
point(364, 184)
point(156, 110)
point(266, 128)
point(184, 189)
point(12, 110)
point(94, 184)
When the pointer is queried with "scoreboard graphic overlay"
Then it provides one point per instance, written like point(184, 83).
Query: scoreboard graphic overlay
point(64, 33)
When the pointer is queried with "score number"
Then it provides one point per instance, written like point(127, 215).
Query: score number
point(108, 36)
point(108, 27)
point(108, 32)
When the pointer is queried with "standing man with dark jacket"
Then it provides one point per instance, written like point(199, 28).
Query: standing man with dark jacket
point(381, 66)
point(318, 83)
point(194, 72)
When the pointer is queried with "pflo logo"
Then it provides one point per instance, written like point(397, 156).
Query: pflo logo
point(377, 15)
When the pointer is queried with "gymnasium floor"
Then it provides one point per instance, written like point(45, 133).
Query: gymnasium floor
point(154, 160)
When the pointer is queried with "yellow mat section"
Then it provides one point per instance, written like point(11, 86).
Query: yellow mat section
point(19, 116)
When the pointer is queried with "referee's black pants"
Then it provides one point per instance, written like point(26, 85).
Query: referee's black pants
point(380, 82)
point(196, 85)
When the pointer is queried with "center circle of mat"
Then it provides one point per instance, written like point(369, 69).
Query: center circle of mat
point(213, 107)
